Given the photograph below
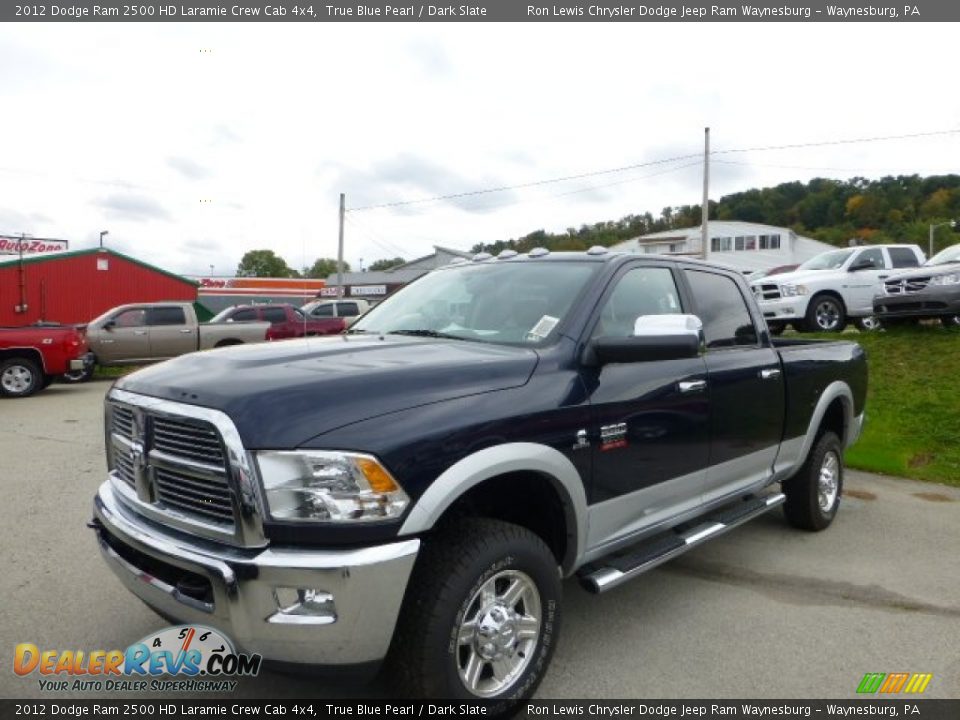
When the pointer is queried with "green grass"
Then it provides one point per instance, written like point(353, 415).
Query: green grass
point(114, 371)
point(913, 403)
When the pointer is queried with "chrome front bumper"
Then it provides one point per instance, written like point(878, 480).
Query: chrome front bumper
point(785, 309)
point(244, 598)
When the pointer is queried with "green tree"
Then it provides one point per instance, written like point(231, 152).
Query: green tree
point(386, 263)
point(264, 263)
point(324, 267)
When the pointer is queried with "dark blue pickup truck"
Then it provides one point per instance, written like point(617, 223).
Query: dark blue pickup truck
point(415, 490)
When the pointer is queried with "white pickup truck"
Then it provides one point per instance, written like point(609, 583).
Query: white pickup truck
point(828, 290)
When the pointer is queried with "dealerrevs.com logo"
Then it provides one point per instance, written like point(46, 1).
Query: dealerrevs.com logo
point(198, 659)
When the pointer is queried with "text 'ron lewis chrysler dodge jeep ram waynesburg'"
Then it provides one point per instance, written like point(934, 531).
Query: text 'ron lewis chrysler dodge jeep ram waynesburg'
point(416, 490)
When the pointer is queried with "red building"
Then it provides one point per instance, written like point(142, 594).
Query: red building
point(75, 287)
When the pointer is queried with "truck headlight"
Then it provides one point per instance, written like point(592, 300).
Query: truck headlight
point(793, 290)
point(949, 279)
point(328, 486)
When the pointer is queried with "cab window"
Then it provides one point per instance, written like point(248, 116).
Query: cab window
point(722, 309)
point(641, 291)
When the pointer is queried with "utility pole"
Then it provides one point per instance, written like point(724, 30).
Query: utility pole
point(343, 210)
point(705, 208)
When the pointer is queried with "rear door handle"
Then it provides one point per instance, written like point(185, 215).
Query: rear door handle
point(186, 331)
point(139, 332)
point(769, 373)
point(883, 277)
point(692, 386)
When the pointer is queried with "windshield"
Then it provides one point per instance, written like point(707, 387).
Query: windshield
point(519, 302)
point(950, 255)
point(830, 260)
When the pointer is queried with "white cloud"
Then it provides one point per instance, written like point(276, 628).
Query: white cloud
point(192, 158)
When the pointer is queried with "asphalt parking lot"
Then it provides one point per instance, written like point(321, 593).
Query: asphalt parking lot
point(764, 612)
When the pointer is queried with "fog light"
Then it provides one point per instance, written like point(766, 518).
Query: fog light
point(303, 606)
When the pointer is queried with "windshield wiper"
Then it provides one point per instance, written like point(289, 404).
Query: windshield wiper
point(425, 333)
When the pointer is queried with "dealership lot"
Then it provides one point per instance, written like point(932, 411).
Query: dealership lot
point(763, 612)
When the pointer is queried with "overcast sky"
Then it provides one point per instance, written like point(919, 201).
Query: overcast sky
point(192, 144)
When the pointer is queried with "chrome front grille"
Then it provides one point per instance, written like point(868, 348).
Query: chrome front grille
point(189, 440)
point(176, 465)
point(905, 286)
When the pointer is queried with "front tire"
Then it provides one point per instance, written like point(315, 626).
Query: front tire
point(826, 313)
point(869, 323)
point(20, 377)
point(813, 493)
point(481, 616)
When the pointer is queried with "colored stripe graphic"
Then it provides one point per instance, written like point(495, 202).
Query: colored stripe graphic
point(894, 683)
point(871, 683)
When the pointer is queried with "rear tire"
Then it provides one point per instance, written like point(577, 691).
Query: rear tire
point(481, 616)
point(813, 493)
point(826, 313)
point(869, 323)
point(20, 377)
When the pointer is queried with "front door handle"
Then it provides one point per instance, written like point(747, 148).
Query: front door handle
point(769, 373)
point(882, 277)
point(692, 386)
point(139, 332)
point(186, 331)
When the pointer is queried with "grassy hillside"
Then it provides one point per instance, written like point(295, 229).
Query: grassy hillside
point(913, 404)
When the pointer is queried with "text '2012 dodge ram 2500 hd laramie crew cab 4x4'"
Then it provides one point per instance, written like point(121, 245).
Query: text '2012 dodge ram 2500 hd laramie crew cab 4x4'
point(416, 490)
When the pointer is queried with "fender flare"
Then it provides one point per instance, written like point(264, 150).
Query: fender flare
point(833, 391)
point(491, 462)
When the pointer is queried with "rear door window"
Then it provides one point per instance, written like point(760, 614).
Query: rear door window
point(245, 315)
point(274, 315)
point(347, 309)
point(903, 257)
point(722, 309)
point(166, 316)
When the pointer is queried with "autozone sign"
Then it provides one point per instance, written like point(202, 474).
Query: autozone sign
point(10, 245)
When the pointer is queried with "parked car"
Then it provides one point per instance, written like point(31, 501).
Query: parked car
point(148, 332)
point(421, 484)
point(830, 289)
point(932, 291)
point(31, 357)
point(286, 321)
point(350, 309)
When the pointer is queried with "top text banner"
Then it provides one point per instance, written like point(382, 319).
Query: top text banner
point(483, 10)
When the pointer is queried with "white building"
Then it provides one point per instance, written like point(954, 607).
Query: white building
point(740, 245)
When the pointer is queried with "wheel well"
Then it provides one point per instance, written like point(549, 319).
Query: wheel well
point(834, 420)
point(835, 295)
point(527, 499)
point(26, 353)
point(226, 343)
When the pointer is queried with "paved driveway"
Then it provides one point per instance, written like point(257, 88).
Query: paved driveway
point(765, 611)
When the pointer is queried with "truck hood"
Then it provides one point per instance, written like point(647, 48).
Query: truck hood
point(926, 271)
point(280, 395)
point(799, 277)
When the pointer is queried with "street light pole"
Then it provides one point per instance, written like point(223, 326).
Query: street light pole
point(933, 227)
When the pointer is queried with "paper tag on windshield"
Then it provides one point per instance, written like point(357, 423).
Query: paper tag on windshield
point(543, 328)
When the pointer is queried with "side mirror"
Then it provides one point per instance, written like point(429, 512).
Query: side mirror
point(655, 337)
point(862, 265)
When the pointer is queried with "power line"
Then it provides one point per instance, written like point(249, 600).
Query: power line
point(520, 186)
point(608, 171)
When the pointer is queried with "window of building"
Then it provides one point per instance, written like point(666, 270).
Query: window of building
point(750, 242)
point(641, 291)
point(903, 257)
point(738, 243)
point(721, 244)
point(769, 242)
point(166, 316)
point(722, 309)
point(676, 247)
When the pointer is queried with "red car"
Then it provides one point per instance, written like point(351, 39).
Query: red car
point(31, 357)
point(286, 321)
